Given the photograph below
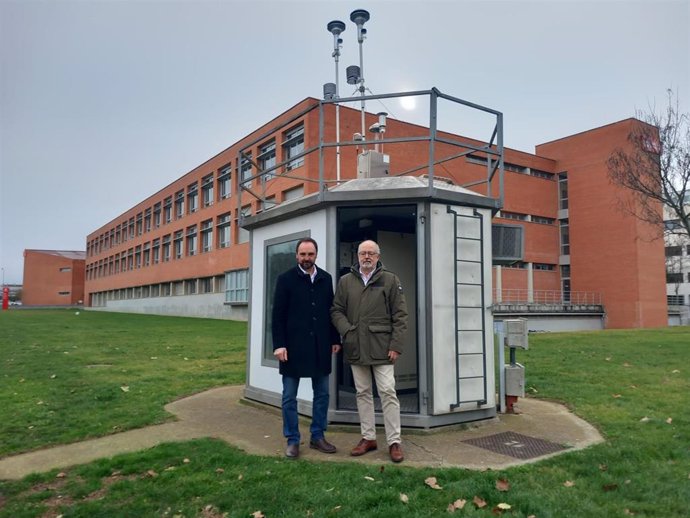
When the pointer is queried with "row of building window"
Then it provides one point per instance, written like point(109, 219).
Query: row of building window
point(514, 168)
point(162, 213)
point(233, 283)
point(674, 251)
point(216, 186)
point(677, 277)
point(182, 243)
point(177, 245)
point(563, 224)
point(677, 300)
point(527, 217)
point(673, 224)
point(521, 265)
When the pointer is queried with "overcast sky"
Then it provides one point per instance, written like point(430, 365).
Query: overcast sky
point(103, 103)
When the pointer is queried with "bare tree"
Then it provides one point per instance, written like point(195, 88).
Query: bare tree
point(674, 272)
point(655, 167)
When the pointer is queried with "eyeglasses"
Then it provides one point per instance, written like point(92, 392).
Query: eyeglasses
point(365, 253)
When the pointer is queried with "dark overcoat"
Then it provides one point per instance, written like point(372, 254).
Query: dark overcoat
point(302, 322)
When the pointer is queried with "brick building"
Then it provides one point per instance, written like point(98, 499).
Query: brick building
point(53, 278)
point(183, 251)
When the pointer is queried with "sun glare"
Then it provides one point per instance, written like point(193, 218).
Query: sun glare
point(408, 103)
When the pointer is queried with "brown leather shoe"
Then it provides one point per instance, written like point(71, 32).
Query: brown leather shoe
point(292, 451)
point(322, 445)
point(396, 452)
point(362, 447)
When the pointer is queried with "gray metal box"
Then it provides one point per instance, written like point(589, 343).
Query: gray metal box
point(516, 332)
point(372, 164)
point(515, 380)
point(507, 243)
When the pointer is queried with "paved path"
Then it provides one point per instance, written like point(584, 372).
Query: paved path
point(257, 429)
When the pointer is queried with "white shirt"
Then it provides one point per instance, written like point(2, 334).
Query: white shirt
point(311, 275)
point(366, 277)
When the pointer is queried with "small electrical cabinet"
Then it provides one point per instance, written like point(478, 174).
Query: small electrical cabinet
point(516, 337)
point(515, 380)
point(516, 333)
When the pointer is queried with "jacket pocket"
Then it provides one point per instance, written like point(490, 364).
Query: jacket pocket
point(351, 346)
point(380, 335)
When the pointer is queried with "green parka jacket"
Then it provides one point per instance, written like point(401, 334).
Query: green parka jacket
point(371, 319)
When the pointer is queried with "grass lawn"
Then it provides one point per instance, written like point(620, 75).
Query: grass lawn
point(67, 376)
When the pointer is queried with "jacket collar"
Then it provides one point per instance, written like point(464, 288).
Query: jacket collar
point(379, 267)
point(301, 274)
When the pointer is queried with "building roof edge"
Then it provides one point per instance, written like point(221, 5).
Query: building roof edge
point(591, 130)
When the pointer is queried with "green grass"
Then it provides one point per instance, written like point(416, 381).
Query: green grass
point(68, 375)
point(613, 379)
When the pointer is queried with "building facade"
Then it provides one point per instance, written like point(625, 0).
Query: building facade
point(53, 278)
point(183, 251)
point(677, 271)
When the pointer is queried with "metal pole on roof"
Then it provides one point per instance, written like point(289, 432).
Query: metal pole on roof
point(360, 17)
point(336, 27)
point(433, 103)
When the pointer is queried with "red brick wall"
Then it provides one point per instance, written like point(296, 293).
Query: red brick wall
point(43, 280)
point(611, 252)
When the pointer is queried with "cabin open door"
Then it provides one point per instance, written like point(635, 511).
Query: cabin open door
point(394, 229)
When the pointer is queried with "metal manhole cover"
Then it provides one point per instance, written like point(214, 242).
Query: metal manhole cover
point(516, 445)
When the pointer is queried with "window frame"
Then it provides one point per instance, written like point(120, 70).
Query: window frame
point(192, 241)
point(178, 244)
point(267, 159)
point(179, 204)
point(207, 190)
point(293, 145)
point(224, 183)
point(237, 287)
point(246, 169)
point(193, 197)
point(563, 191)
point(223, 223)
point(206, 230)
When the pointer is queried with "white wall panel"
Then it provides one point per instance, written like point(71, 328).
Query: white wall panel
point(261, 375)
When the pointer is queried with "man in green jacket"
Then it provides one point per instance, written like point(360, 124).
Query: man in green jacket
point(370, 313)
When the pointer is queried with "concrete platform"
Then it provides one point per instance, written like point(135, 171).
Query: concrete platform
point(222, 413)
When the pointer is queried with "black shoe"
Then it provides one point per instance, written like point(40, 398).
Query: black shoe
point(322, 445)
point(292, 451)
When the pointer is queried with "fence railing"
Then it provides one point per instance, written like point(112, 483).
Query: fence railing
point(523, 296)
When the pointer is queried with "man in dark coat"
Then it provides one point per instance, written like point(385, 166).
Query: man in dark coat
point(303, 341)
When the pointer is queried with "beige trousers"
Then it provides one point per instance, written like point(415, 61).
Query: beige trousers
point(385, 382)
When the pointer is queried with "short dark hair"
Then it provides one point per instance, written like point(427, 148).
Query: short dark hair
point(307, 240)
